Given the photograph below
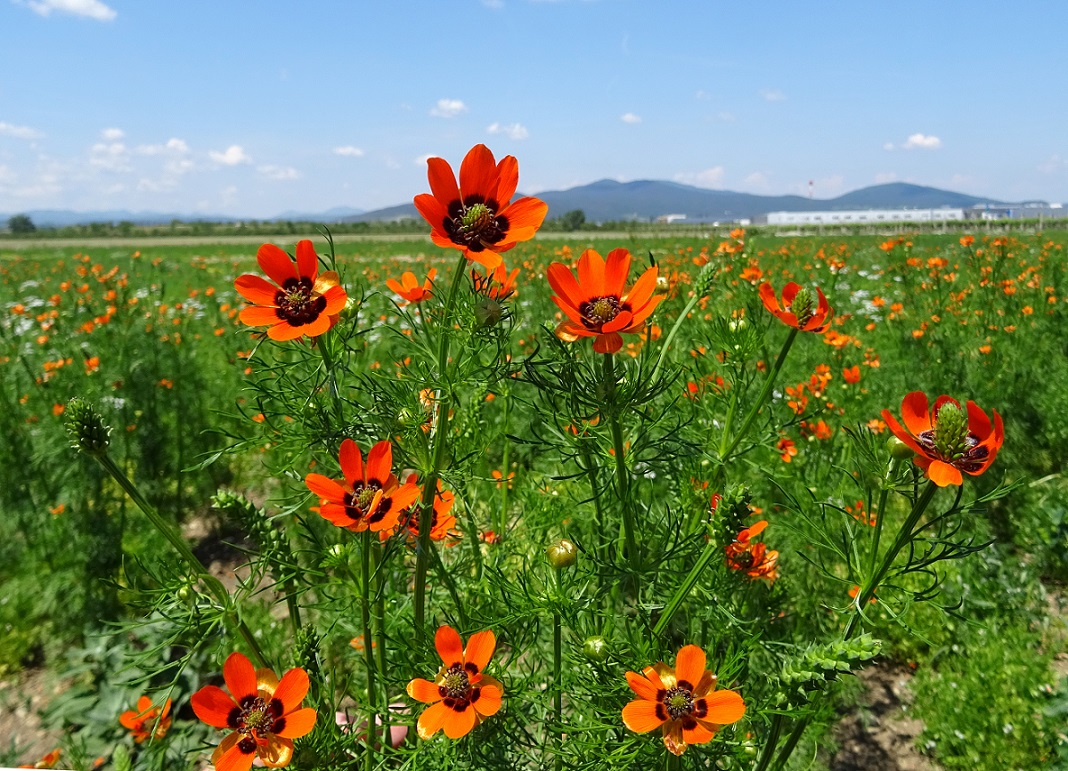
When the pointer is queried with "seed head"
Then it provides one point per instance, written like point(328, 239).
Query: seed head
point(86, 428)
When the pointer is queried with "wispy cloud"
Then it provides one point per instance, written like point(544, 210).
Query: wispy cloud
point(280, 173)
point(18, 132)
point(448, 108)
point(110, 156)
point(712, 177)
point(916, 142)
point(773, 95)
point(112, 134)
point(1052, 165)
point(349, 151)
point(90, 9)
point(511, 130)
point(232, 156)
point(172, 146)
point(629, 117)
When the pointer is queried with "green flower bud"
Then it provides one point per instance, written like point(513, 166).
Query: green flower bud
point(488, 312)
point(595, 649)
point(562, 554)
point(899, 449)
point(86, 428)
point(352, 307)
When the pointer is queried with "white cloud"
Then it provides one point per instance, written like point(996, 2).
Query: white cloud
point(888, 146)
point(712, 177)
point(18, 132)
point(448, 108)
point(91, 9)
point(629, 117)
point(110, 156)
point(923, 141)
point(233, 156)
point(282, 173)
point(757, 182)
point(773, 95)
point(172, 146)
point(112, 134)
point(512, 130)
point(885, 177)
point(1052, 165)
point(349, 151)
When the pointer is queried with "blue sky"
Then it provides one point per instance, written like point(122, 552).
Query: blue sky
point(255, 108)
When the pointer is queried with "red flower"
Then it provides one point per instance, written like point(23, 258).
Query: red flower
point(302, 303)
point(683, 702)
point(409, 287)
point(797, 309)
point(476, 216)
point(148, 721)
point(851, 374)
point(461, 696)
point(498, 284)
point(263, 712)
point(753, 558)
point(369, 497)
point(947, 440)
point(441, 520)
point(596, 305)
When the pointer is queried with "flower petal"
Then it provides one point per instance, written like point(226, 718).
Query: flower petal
point(524, 218)
point(724, 707)
point(229, 756)
point(698, 734)
point(640, 716)
point(442, 181)
point(297, 723)
point(292, 689)
point(325, 487)
point(351, 463)
point(507, 180)
point(643, 686)
point(276, 264)
point(690, 666)
point(259, 316)
point(256, 289)
point(943, 474)
point(616, 272)
point(307, 261)
point(276, 751)
point(562, 281)
point(608, 343)
point(489, 700)
point(379, 463)
point(477, 173)
point(424, 691)
point(915, 413)
point(449, 646)
point(432, 719)
point(240, 676)
point(591, 273)
point(458, 724)
point(480, 649)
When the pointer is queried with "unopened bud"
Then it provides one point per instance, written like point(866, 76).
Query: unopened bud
point(352, 307)
point(562, 554)
point(86, 428)
point(899, 449)
point(488, 312)
point(595, 649)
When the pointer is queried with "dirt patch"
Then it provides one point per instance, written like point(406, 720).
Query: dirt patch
point(22, 696)
point(881, 735)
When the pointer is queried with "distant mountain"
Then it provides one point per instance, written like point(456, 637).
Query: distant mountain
point(647, 200)
point(61, 218)
point(337, 214)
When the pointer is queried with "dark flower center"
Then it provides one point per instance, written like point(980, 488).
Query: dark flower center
point(678, 701)
point(599, 311)
point(255, 716)
point(456, 690)
point(474, 223)
point(297, 302)
point(358, 502)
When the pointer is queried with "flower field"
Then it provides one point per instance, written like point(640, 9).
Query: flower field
point(521, 502)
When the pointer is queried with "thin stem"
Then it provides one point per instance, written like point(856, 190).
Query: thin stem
point(666, 346)
point(769, 382)
point(503, 522)
point(591, 471)
point(791, 741)
point(380, 638)
point(323, 344)
point(622, 472)
point(558, 696)
point(212, 584)
point(441, 431)
point(368, 644)
point(770, 744)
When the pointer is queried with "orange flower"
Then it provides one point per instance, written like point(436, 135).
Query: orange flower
point(148, 721)
point(596, 305)
point(796, 309)
point(369, 497)
point(851, 374)
point(752, 557)
point(302, 303)
point(497, 284)
point(263, 711)
point(787, 449)
point(477, 216)
point(461, 696)
point(683, 702)
point(441, 520)
point(946, 439)
point(409, 287)
point(48, 761)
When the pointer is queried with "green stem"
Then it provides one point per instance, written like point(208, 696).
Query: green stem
point(791, 742)
point(380, 638)
point(622, 472)
point(712, 550)
point(179, 544)
point(770, 744)
point(441, 431)
point(558, 695)
point(323, 344)
point(503, 522)
point(666, 346)
point(368, 652)
point(599, 523)
point(769, 382)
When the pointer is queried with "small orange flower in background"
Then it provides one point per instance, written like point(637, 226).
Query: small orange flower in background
point(461, 696)
point(48, 761)
point(409, 287)
point(263, 712)
point(967, 240)
point(302, 303)
point(787, 449)
point(798, 309)
point(369, 497)
point(947, 439)
point(753, 558)
point(148, 720)
point(856, 590)
point(477, 216)
point(682, 702)
point(596, 304)
point(851, 374)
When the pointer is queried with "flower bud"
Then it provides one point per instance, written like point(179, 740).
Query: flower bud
point(352, 307)
point(595, 649)
point(898, 449)
point(488, 312)
point(86, 428)
point(562, 554)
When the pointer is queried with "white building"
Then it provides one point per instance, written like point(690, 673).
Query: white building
point(863, 216)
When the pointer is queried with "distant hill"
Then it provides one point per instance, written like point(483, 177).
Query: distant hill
point(602, 201)
point(645, 200)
